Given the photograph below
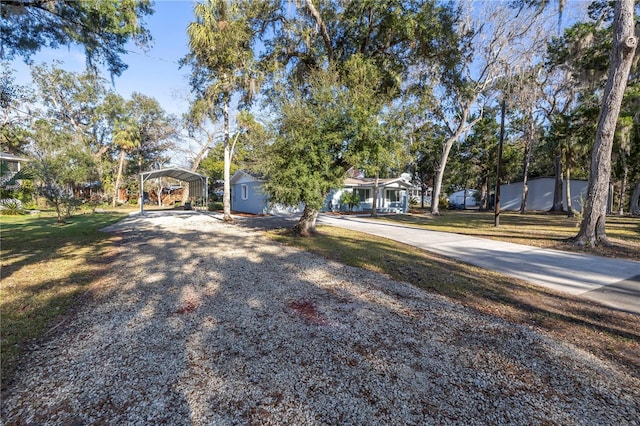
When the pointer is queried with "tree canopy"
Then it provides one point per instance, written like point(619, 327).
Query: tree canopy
point(101, 27)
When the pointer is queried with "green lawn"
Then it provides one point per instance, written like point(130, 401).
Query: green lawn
point(540, 230)
point(45, 266)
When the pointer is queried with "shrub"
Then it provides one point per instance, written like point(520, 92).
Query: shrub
point(215, 205)
point(11, 206)
point(94, 202)
point(70, 205)
point(351, 199)
point(443, 202)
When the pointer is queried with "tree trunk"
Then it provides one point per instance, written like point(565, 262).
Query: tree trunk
point(306, 226)
point(623, 184)
point(464, 197)
point(484, 193)
point(446, 149)
point(118, 179)
point(435, 197)
point(526, 162)
point(635, 201)
point(557, 188)
point(567, 188)
point(592, 228)
point(374, 201)
point(226, 196)
point(496, 219)
point(323, 30)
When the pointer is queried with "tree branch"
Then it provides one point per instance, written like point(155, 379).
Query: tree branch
point(323, 29)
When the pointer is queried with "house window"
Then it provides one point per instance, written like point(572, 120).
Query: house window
point(245, 191)
point(363, 194)
point(13, 166)
point(393, 196)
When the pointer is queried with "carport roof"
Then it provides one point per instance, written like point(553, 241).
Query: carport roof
point(174, 172)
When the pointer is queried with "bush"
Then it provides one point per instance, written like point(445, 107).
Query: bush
point(94, 202)
point(11, 206)
point(70, 205)
point(443, 202)
point(351, 199)
point(215, 205)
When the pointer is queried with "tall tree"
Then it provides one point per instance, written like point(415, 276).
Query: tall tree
point(478, 153)
point(323, 36)
point(490, 49)
point(73, 100)
point(142, 133)
point(15, 106)
point(525, 121)
point(592, 229)
point(221, 58)
point(425, 145)
point(307, 157)
point(373, 125)
point(102, 27)
point(576, 63)
point(57, 163)
point(125, 137)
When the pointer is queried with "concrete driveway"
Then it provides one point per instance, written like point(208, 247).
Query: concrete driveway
point(612, 282)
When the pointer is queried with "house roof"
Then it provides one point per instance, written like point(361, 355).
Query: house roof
point(240, 174)
point(369, 182)
point(10, 157)
point(174, 172)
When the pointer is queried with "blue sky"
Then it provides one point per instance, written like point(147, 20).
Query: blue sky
point(154, 73)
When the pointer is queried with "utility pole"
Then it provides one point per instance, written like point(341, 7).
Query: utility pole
point(496, 221)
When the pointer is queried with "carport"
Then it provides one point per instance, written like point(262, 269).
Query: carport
point(198, 184)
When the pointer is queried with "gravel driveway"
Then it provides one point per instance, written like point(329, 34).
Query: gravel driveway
point(202, 323)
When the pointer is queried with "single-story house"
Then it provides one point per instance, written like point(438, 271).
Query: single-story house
point(11, 165)
point(248, 196)
point(13, 162)
point(392, 195)
point(540, 194)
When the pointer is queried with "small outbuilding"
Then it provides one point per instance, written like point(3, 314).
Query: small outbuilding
point(540, 194)
point(465, 199)
point(248, 196)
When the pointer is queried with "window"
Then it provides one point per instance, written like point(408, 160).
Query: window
point(393, 196)
point(245, 191)
point(363, 194)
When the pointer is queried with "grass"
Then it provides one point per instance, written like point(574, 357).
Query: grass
point(540, 230)
point(45, 267)
point(606, 332)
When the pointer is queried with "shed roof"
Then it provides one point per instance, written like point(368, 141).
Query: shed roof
point(174, 172)
point(244, 174)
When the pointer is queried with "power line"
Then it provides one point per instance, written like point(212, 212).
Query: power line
point(153, 57)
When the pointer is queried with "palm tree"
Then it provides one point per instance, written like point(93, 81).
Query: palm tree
point(222, 64)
